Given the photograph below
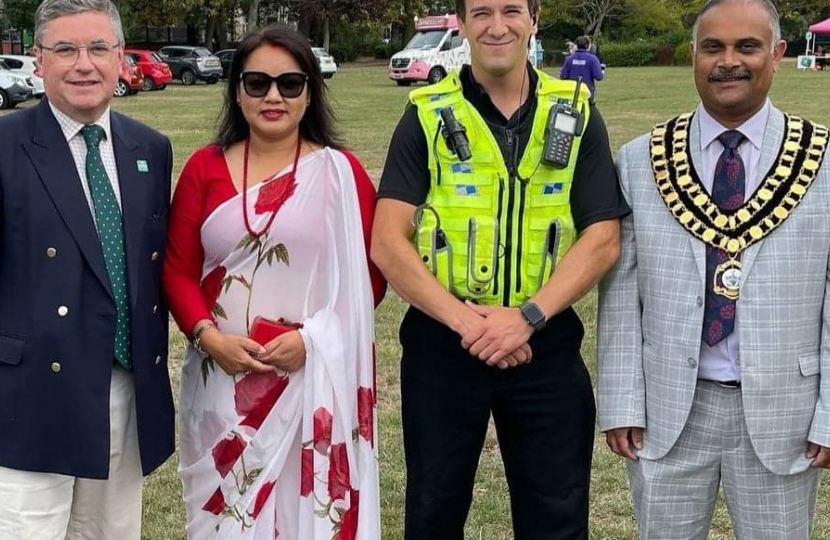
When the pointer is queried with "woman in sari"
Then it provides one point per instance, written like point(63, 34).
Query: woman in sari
point(270, 224)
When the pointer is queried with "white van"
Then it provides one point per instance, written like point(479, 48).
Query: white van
point(14, 88)
point(26, 66)
point(435, 50)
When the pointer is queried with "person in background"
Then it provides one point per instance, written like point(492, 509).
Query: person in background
point(570, 47)
point(86, 409)
point(268, 276)
point(821, 61)
point(583, 65)
point(593, 48)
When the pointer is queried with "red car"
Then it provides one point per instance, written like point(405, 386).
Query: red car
point(157, 74)
point(130, 79)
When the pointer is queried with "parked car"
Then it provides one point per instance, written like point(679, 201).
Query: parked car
point(130, 79)
point(14, 88)
point(190, 64)
point(156, 73)
point(225, 56)
point(26, 66)
point(328, 67)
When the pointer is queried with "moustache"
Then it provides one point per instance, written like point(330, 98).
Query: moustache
point(731, 74)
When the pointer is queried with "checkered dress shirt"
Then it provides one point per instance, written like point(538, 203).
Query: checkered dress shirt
point(72, 132)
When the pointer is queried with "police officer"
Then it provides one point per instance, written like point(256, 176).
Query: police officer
point(491, 252)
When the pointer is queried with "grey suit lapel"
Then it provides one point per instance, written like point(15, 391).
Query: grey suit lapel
point(773, 135)
point(697, 246)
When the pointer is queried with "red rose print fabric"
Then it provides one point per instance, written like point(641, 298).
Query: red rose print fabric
point(261, 497)
point(322, 429)
point(255, 395)
point(216, 503)
point(366, 413)
point(274, 193)
point(279, 455)
point(339, 471)
point(211, 286)
point(227, 452)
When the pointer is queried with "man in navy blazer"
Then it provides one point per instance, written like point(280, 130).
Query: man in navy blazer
point(86, 409)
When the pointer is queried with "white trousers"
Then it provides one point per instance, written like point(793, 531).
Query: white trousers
point(674, 497)
point(46, 506)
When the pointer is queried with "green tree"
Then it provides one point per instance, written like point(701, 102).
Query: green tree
point(559, 11)
point(21, 13)
point(150, 12)
point(591, 15)
point(329, 13)
point(797, 15)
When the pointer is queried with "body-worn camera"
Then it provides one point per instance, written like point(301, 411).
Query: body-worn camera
point(455, 135)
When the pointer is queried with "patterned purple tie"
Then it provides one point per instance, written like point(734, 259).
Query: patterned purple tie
point(728, 193)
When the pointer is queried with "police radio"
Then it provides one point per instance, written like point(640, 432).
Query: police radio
point(564, 124)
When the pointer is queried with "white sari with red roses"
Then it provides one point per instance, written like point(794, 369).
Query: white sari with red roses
point(279, 455)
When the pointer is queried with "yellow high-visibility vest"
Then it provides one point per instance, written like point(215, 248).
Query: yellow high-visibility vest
point(486, 234)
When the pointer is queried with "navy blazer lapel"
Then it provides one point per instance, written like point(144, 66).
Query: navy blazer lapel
point(134, 179)
point(50, 155)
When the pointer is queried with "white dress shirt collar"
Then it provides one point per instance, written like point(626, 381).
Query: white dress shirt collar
point(71, 127)
point(753, 129)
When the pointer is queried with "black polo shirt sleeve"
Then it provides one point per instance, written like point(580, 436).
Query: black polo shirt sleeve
point(595, 192)
point(406, 173)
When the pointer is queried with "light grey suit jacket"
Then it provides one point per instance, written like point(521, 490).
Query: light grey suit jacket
point(651, 316)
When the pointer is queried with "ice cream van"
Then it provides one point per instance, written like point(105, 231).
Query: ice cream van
point(435, 49)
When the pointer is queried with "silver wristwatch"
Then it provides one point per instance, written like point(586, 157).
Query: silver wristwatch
point(197, 335)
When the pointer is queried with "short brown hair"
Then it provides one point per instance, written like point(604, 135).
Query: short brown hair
point(461, 8)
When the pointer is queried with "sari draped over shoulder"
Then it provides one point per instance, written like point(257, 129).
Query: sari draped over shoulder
point(277, 454)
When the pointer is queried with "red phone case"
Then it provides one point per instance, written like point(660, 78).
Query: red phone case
point(264, 330)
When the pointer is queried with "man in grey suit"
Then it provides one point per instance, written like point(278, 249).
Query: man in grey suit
point(712, 367)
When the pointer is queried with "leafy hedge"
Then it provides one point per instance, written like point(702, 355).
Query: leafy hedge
point(628, 54)
point(383, 52)
point(682, 55)
point(345, 52)
point(666, 50)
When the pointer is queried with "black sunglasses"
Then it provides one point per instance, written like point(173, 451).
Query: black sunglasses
point(257, 84)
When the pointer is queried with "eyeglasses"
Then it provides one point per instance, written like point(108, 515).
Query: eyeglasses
point(258, 84)
point(67, 54)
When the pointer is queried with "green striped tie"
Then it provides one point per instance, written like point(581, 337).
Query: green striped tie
point(111, 234)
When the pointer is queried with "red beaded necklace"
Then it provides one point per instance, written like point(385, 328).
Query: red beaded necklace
point(292, 175)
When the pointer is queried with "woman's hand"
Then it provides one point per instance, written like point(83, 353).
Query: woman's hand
point(286, 352)
point(234, 354)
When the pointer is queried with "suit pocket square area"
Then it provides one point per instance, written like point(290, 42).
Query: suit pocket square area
point(11, 349)
point(808, 364)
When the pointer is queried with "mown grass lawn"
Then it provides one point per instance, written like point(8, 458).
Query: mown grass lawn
point(368, 106)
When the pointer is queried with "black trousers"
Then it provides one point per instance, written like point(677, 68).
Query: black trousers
point(544, 415)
